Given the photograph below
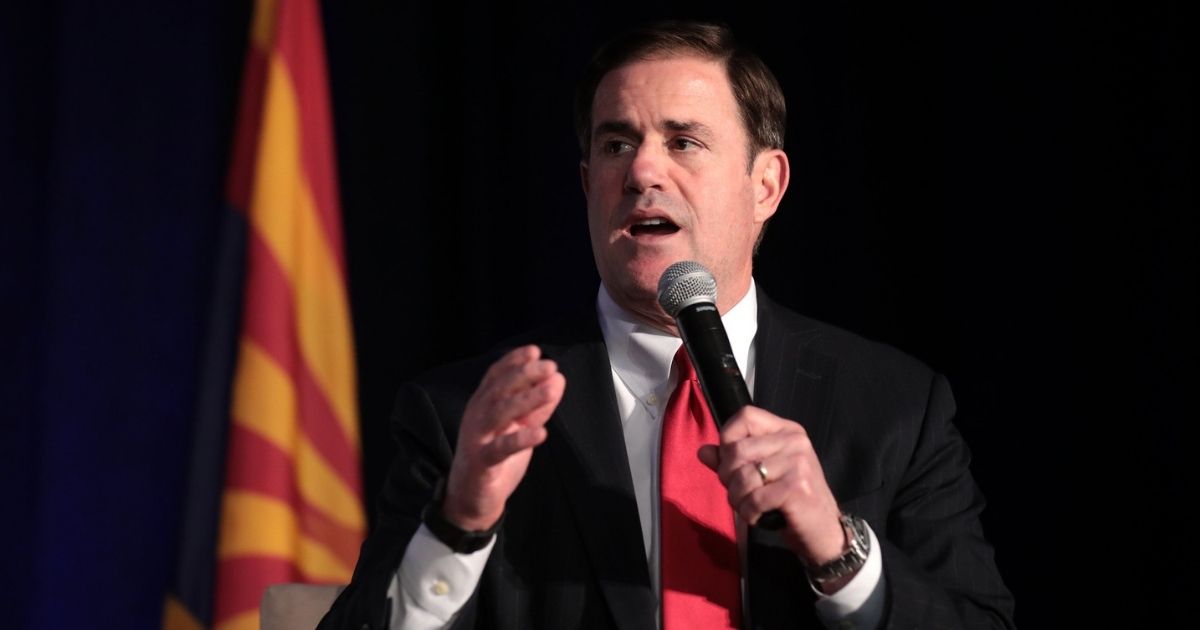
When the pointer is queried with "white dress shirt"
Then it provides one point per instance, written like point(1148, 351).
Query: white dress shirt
point(433, 583)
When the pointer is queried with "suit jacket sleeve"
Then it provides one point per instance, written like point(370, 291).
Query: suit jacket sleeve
point(939, 567)
point(424, 455)
point(881, 423)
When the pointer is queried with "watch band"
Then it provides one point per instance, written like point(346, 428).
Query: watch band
point(858, 547)
point(458, 540)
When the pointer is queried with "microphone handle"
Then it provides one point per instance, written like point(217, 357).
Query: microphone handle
point(720, 378)
point(708, 346)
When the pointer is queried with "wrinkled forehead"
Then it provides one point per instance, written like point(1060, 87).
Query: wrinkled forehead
point(675, 87)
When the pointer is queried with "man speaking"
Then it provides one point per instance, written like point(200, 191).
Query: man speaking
point(578, 480)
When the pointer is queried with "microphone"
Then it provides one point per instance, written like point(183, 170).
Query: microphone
point(687, 291)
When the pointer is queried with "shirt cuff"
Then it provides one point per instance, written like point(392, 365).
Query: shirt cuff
point(858, 604)
point(433, 583)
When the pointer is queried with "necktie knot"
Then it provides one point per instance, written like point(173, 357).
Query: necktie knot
point(683, 366)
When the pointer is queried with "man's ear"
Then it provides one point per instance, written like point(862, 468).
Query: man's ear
point(583, 175)
point(770, 175)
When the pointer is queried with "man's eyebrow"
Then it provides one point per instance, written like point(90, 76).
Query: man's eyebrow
point(627, 128)
point(687, 126)
point(624, 127)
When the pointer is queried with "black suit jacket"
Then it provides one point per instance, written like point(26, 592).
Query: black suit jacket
point(570, 552)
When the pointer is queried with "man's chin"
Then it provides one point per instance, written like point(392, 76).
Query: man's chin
point(636, 275)
point(643, 279)
point(634, 285)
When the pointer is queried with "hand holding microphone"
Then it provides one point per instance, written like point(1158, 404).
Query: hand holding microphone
point(687, 291)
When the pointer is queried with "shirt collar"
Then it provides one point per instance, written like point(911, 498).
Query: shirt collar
point(641, 355)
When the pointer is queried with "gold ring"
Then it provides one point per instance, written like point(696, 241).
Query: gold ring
point(762, 471)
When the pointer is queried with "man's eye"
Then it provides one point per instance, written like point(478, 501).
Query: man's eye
point(684, 144)
point(613, 147)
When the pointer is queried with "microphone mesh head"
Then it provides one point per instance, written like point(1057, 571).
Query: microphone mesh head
point(685, 283)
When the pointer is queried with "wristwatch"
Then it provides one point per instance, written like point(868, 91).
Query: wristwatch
point(458, 540)
point(858, 546)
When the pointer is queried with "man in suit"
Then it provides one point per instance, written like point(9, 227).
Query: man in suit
point(526, 491)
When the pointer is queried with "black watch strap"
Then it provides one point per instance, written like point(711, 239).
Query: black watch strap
point(458, 540)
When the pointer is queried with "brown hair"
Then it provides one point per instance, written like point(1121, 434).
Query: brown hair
point(759, 97)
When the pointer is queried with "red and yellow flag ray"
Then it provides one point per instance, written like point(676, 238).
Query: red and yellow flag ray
point(291, 508)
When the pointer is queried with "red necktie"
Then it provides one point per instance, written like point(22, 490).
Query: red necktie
point(699, 554)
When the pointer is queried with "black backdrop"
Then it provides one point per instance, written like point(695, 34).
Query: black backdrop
point(1003, 189)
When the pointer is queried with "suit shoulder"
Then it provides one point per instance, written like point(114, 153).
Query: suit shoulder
point(854, 351)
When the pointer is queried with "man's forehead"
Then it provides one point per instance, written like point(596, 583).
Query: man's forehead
point(688, 87)
point(660, 71)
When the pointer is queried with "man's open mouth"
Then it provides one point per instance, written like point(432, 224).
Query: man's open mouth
point(653, 227)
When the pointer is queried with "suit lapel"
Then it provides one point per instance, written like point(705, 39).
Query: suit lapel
point(589, 450)
point(791, 380)
point(794, 382)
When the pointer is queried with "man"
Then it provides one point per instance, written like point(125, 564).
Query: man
point(532, 490)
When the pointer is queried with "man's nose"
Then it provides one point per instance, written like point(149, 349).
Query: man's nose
point(647, 169)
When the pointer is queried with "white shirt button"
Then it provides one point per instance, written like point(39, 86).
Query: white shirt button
point(652, 399)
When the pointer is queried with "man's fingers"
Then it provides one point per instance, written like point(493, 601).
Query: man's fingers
point(512, 392)
point(528, 410)
point(709, 456)
point(526, 401)
point(740, 426)
point(517, 369)
point(787, 480)
point(511, 360)
point(511, 379)
point(748, 451)
point(751, 421)
point(748, 478)
point(548, 394)
point(763, 499)
point(505, 446)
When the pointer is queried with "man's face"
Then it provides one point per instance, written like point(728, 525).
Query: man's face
point(667, 180)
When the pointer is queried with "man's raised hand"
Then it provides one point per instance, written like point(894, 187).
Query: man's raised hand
point(504, 419)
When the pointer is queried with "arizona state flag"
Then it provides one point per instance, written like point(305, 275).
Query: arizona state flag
point(291, 499)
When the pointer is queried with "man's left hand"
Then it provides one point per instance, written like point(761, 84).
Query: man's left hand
point(755, 440)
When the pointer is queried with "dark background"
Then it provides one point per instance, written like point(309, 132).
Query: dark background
point(1003, 189)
